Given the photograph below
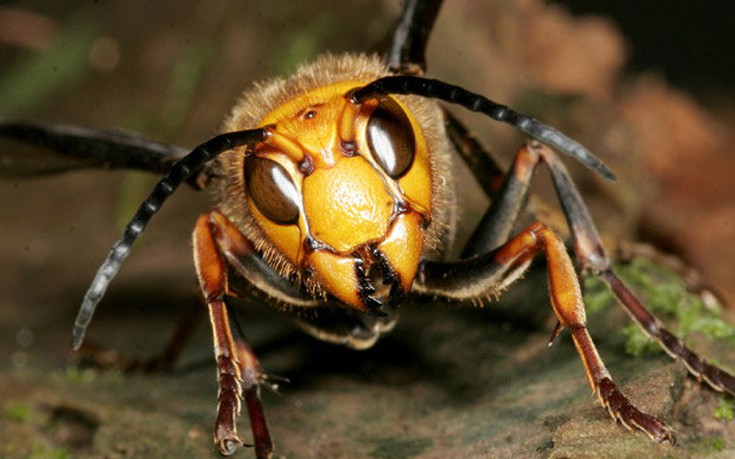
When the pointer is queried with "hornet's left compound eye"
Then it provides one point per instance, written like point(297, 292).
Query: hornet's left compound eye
point(272, 190)
point(391, 139)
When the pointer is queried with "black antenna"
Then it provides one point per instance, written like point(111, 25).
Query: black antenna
point(454, 94)
point(179, 172)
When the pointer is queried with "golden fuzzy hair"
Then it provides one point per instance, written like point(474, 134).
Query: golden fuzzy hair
point(254, 104)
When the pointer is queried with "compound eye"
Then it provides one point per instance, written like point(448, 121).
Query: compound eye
point(391, 138)
point(272, 190)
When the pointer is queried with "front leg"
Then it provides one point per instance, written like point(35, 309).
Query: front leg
point(407, 51)
point(66, 147)
point(490, 273)
point(496, 225)
point(238, 370)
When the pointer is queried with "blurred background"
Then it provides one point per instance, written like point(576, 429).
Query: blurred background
point(649, 89)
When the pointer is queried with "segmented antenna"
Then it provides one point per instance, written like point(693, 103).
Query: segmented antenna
point(179, 172)
point(454, 94)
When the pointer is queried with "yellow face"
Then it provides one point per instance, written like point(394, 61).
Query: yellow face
point(341, 188)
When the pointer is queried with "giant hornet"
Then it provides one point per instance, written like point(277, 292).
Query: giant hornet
point(334, 199)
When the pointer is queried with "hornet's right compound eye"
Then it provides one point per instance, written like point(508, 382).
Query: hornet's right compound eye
point(391, 138)
point(272, 190)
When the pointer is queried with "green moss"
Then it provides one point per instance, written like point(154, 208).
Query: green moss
point(717, 444)
point(400, 447)
point(596, 295)
point(638, 343)
point(76, 375)
point(726, 409)
point(40, 451)
point(17, 411)
point(666, 295)
point(89, 376)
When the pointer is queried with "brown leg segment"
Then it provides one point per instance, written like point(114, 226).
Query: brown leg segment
point(566, 299)
point(589, 252)
point(700, 368)
point(592, 257)
point(491, 272)
point(238, 370)
point(498, 222)
point(486, 271)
